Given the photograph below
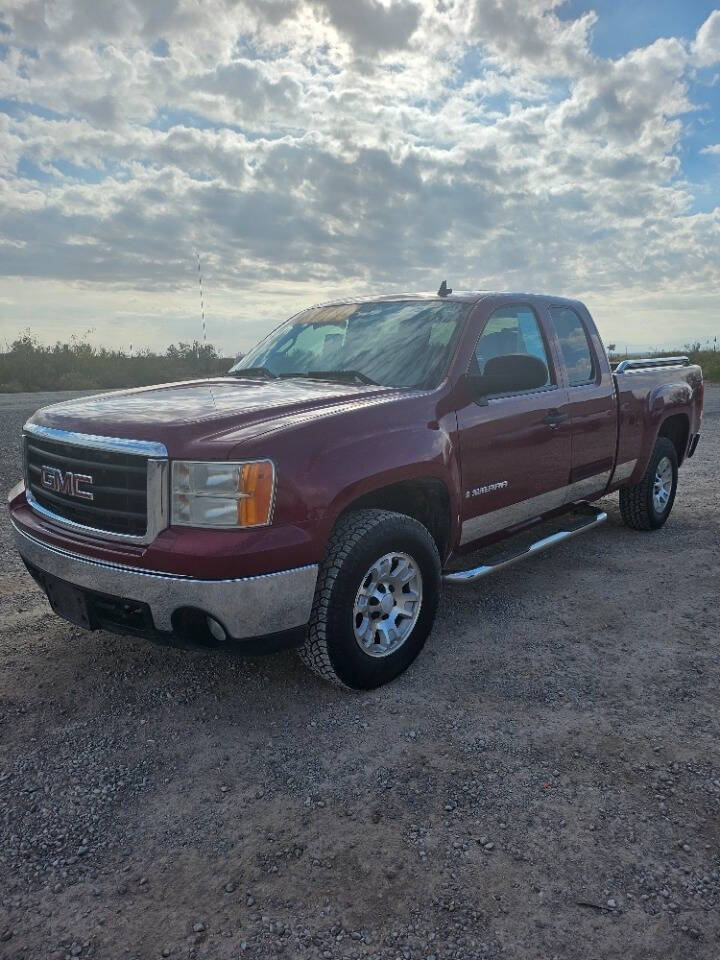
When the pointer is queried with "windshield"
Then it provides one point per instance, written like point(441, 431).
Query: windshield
point(398, 343)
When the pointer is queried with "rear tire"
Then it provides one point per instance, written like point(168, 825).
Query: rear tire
point(647, 505)
point(375, 601)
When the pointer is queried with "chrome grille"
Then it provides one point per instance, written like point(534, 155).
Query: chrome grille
point(129, 500)
point(119, 485)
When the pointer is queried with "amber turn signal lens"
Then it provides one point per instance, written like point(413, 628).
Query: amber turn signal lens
point(256, 486)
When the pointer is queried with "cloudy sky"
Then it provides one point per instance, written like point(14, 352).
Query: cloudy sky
point(318, 148)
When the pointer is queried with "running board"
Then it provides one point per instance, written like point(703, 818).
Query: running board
point(594, 518)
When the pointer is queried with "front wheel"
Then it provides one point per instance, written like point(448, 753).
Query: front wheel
point(647, 505)
point(375, 601)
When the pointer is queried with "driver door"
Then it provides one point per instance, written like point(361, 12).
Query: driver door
point(515, 447)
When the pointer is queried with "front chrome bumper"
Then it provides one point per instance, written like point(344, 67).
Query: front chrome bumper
point(250, 607)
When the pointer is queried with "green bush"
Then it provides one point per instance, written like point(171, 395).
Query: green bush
point(709, 360)
point(29, 365)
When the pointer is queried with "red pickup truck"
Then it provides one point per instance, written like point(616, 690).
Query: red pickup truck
point(321, 493)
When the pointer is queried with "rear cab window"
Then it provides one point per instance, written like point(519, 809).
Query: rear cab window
point(575, 348)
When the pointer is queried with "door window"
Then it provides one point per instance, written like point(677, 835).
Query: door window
point(511, 330)
point(574, 346)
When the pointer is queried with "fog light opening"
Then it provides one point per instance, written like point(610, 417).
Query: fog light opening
point(195, 626)
point(216, 629)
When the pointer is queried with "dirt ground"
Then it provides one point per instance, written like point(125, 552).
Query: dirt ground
point(543, 783)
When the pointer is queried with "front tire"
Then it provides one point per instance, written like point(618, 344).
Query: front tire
point(375, 601)
point(647, 505)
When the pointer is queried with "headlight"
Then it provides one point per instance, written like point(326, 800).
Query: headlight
point(222, 494)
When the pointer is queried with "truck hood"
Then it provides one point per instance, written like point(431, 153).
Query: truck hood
point(181, 414)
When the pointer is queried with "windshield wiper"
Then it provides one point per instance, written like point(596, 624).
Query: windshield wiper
point(347, 376)
point(260, 373)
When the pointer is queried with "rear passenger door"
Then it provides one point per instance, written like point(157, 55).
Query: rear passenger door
point(592, 404)
point(515, 446)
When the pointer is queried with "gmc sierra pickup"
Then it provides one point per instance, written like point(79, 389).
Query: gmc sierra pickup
point(321, 493)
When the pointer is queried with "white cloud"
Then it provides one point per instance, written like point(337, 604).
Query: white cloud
point(369, 25)
point(706, 49)
point(310, 149)
point(527, 35)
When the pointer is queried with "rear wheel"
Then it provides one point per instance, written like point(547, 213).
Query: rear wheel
point(647, 505)
point(375, 600)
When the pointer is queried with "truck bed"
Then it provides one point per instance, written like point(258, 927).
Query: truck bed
point(645, 390)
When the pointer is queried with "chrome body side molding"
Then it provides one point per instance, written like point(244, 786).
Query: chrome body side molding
point(624, 470)
point(474, 528)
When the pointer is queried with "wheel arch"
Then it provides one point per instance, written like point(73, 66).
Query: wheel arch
point(425, 499)
point(670, 415)
point(676, 428)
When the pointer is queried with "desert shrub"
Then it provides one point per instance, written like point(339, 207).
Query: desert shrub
point(709, 360)
point(30, 365)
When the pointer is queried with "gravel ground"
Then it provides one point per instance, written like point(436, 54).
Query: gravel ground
point(544, 782)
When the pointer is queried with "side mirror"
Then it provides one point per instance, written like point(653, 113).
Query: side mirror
point(509, 373)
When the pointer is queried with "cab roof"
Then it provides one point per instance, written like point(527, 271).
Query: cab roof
point(461, 296)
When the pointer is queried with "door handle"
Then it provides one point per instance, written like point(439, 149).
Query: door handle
point(554, 418)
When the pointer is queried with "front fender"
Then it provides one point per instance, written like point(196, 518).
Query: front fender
point(426, 452)
point(325, 463)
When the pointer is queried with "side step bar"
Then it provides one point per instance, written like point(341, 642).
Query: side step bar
point(593, 518)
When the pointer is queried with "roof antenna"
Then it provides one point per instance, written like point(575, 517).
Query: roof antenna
point(444, 290)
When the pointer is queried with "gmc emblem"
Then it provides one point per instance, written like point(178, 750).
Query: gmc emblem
point(52, 478)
